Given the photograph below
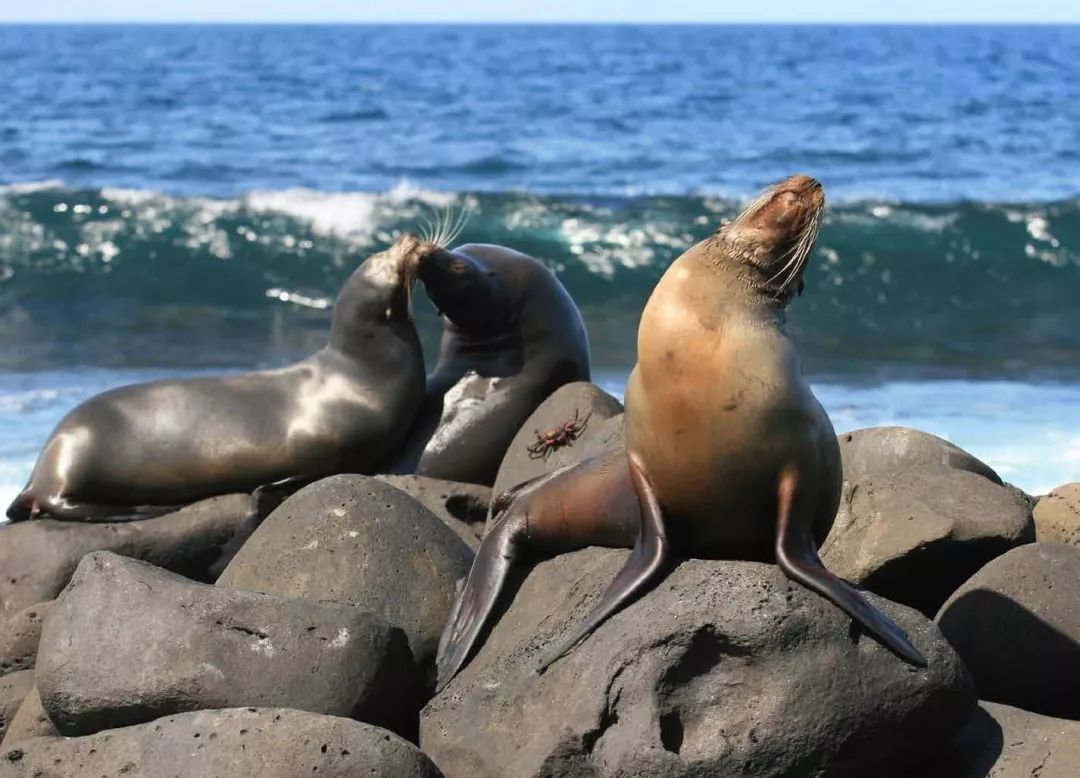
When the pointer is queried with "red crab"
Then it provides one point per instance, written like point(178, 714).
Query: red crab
point(564, 435)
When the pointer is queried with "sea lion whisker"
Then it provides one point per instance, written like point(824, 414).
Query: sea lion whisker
point(463, 218)
point(440, 224)
point(426, 229)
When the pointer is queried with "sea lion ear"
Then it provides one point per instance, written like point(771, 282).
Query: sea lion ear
point(802, 285)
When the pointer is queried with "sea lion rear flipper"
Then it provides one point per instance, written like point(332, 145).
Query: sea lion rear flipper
point(487, 577)
point(265, 498)
point(67, 509)
point(645, 561)
point(797, 557)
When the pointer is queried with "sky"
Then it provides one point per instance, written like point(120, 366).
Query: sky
point(853, 11)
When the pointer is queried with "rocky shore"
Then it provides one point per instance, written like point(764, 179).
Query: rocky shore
point(200, 644)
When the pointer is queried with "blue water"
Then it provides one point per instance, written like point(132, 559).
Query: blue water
point(188, 198)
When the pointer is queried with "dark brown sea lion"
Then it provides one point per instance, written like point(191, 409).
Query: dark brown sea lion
point(728, 453)
point(145, 449)
point(512, 335)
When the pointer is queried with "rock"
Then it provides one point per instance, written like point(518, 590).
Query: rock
point(1057, 516)
point(31, 721)
point(1016, 625)
point(892, 449)
point(581, 399)
point(13, 690)
point(725, 669)
point(913, 536)
point(265, 742)
point(127, 642)
point(38, 557)
point(1003, 742)
point(19, 638)
point(462, 507)
point(354, 539)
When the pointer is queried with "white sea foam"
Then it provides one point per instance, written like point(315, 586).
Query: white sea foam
point(26, 187)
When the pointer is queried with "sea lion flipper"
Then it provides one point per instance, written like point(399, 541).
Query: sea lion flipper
point(68, 509)
point(487, 577)
point(267, 497)
point(797, 557)
point(645, 561)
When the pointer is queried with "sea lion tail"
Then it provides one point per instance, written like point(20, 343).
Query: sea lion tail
point(498, 551)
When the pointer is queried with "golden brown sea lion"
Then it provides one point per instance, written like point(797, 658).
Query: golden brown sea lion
point(728, 453)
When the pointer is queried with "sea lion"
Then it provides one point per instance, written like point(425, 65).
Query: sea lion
point(145, 449)
point(512, 335)
point(728, 453)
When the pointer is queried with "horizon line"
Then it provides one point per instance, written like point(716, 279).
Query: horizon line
point(540, 22)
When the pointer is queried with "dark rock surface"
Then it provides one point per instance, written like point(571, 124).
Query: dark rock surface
point(913, 536)
point(127, 642)
point(240, 742)
point(355, 539)
point(29, 722)
point(1003, 742)
point(19, 637)
point(1057, 516)
point(582, 398)
point(38, 557)
point(462, 507)
point(13, 690)
point(725, 669)
point(1016, 625)
point(892, 449)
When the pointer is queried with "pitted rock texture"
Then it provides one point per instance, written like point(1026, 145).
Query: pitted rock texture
point(19, 637)
point(725, 668)
point(1057, 516)
point(892, 449)
point(1016, 625)
point(38, 557)
point(913, 536)
point(461, 507)
point(127, 643)
point(355, 539)
point(231, 743)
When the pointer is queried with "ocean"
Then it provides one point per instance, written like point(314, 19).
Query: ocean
point(182, 199)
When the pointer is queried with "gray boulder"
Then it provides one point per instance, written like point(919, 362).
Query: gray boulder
point(1016, 625)
point(726, 669)
point(19, 637)
point(127, 642)
point(13, 690)
point(890, 449)
point(355, 539)
point(29, 722)
point(1057, 516)
point(462, 507)
point(913, 536)
point(581, 400)
point(1003, 742)
point(38, 557)
point(264, 742)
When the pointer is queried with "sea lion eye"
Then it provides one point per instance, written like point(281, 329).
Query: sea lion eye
point(459, 266)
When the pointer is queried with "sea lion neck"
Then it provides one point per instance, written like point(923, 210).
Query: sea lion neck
point(735, 282)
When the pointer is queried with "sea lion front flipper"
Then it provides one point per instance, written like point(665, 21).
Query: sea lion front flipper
point(487, 577)
point(797, 557)
point(266, 498)
point(645, 561)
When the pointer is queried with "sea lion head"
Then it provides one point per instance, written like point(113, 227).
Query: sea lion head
point(776, 233)
point(378, 293)
point(472, 295)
